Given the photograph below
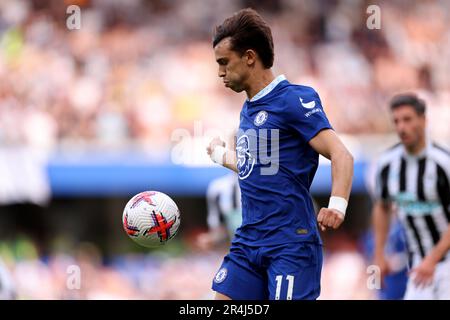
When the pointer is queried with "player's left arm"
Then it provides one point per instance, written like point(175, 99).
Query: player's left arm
point(328, 144)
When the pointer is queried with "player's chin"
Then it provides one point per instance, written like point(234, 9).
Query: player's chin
point(406, 140)
point(234, 88)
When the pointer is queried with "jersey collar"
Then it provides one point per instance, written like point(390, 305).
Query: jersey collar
point(422, 153)
point(268, 88)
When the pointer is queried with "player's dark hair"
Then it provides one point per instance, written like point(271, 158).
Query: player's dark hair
point(409, 99)
point(247, 30)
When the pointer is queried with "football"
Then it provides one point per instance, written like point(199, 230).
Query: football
point(151, 218)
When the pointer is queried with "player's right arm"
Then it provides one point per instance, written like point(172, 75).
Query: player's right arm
point(220, 154)
point(381, 218)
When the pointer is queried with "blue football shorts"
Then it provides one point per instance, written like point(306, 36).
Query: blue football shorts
point(283, 272)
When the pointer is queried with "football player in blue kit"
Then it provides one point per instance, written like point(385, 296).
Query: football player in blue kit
point(277, 251)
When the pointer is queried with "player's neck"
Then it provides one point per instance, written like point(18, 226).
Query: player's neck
point(259, 81)
point(417, 148)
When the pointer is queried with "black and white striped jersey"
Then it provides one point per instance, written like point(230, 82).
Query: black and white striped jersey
point(224, 203)
point(419, 187)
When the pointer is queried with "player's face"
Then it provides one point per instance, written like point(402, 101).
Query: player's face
point(233, 68)
point(409, 125)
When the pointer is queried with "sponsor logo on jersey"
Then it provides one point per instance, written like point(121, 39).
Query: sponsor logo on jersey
point(308, 105)
point(409, 203)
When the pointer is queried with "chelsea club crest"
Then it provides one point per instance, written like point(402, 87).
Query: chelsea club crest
point(260, 118)
point(220, 275)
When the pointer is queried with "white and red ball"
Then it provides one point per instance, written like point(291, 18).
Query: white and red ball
point(151, 218)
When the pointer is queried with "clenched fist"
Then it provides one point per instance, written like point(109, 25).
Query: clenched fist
point(215, 142)
point(329, 218)
point(212, 145)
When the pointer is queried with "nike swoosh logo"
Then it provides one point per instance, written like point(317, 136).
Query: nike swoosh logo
point(308, 105)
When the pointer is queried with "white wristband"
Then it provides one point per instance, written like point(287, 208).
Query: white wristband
point(338, 203)
point(218, 154)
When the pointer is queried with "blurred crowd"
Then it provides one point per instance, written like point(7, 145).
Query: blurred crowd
point(137, 70)
point(82, 273)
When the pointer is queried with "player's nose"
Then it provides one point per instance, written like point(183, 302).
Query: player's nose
point(400, 126)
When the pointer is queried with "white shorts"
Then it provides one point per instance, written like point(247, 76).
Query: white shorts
point(438, 290)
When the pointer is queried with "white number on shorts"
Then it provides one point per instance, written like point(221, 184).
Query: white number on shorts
point(290, 289)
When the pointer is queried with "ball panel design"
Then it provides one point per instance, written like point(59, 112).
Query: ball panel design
point(151, 218)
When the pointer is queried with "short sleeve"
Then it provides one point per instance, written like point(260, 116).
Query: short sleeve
point(305, 113)
point(443, 177)
point(381, 182)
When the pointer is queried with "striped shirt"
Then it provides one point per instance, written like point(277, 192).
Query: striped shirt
point(224, 203)
point(419, 188)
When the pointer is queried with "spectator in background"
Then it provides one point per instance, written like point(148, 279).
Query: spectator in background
point(104, 85)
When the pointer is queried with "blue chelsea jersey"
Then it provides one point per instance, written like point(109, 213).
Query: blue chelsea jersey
point(276, 164)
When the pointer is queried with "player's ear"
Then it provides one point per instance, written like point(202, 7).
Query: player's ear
point(250, 56)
